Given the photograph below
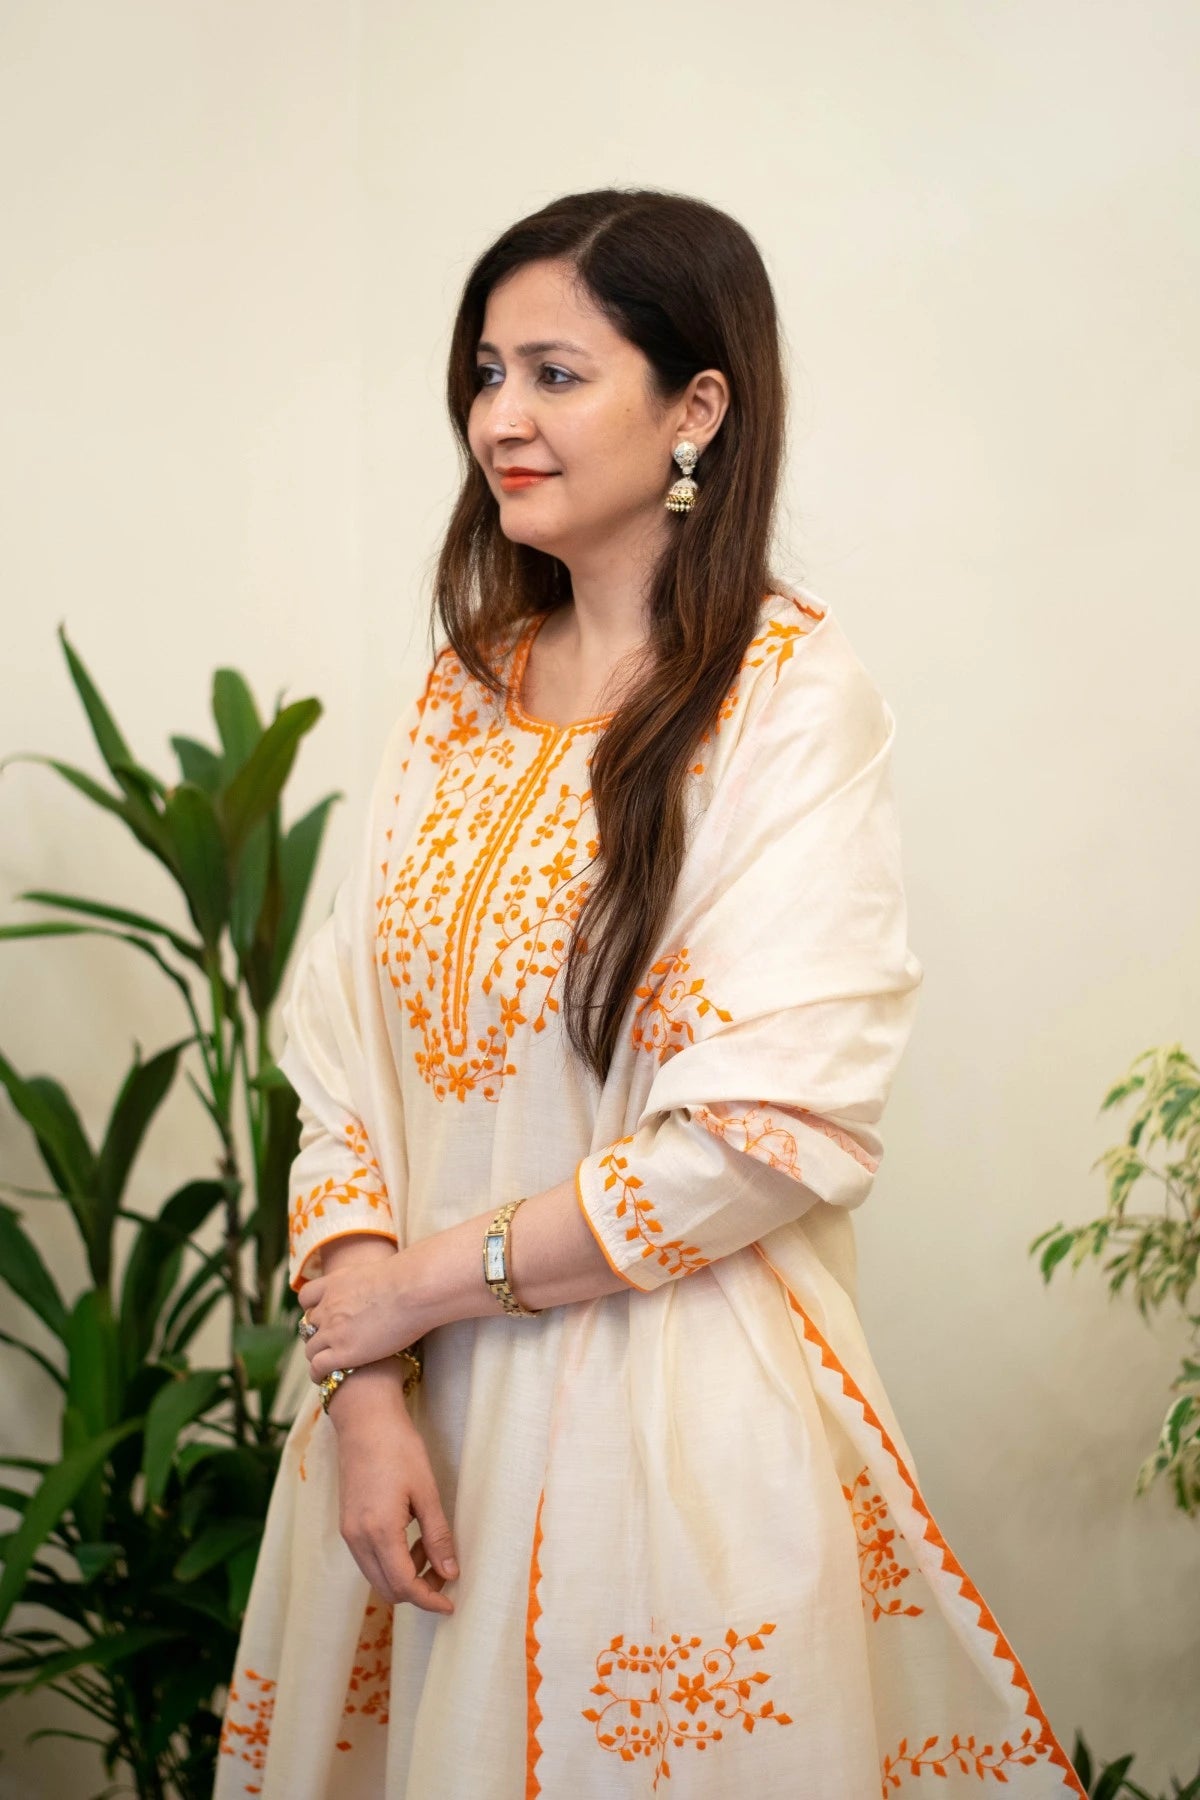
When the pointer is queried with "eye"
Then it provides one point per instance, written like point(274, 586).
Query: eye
point(481, 372)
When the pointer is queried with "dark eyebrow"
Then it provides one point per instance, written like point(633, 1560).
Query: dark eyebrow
point(540, 348)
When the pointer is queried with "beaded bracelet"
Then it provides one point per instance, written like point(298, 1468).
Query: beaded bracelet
point(414, 1355)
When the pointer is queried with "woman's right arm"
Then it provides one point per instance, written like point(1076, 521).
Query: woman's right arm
point(385, 1479)
point(340, 1207)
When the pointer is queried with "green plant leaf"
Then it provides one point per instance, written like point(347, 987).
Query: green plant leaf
point(250, 889)
point(154, 1263)
point(209, 1271)
point(27, 1275)
point(93, 1559)
point(1112, 1780)
point(198, 764)
point(137, 783)
point(142, 1093)
point(78, 1737)
point(93, 1373)
point(88, 1505)
point(54, 929)
point(195, 836)
point(181, 1335)
point(237, 720)
point(46, 1507)
point(147, 784)
point(172, 1408)
point(257, 785)
point(147, 830)
point(120, 915)
point(281, 1142)
point(6, 1337)
point(298, 851)
point(240, 1575)
point(215, 1544)
point(102, 1653)
point(269, 1077)
point(184, 1690)
point(1054, 1253)
point(261, 1349)
point(109, 742)
point(61, 1139)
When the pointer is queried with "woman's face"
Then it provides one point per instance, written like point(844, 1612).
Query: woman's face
point(561, 391)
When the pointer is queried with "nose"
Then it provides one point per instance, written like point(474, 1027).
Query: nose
point(506, 418)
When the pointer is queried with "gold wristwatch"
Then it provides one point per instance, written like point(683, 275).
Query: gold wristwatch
point(495, 1260)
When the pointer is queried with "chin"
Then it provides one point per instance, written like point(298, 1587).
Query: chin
point(525, 531)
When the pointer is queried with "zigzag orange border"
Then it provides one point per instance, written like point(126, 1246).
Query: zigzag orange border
point(987, 1622)
point(533, 1679)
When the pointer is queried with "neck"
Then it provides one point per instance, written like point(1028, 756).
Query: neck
point(611, 591)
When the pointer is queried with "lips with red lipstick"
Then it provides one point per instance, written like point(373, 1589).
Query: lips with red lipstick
point(515, 477)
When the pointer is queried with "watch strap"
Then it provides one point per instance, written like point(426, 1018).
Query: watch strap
point(495, 1260)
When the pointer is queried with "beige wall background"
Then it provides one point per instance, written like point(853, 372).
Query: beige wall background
point(233, 240)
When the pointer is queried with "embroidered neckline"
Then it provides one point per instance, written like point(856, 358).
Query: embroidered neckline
point(516, 712)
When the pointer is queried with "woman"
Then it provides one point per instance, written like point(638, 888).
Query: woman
point(619, 980)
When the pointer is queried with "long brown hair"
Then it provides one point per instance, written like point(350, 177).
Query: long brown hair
point(686, 284)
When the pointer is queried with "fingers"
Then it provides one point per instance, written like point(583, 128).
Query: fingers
point(392, 1573)
point(427, 1584)
point(400, 1574)
point(436, 1537)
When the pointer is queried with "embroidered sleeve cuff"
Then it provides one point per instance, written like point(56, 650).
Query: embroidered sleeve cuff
point(336, 1189)
point(699, 1183)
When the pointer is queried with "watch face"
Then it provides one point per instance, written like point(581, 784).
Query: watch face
point(494, 1256)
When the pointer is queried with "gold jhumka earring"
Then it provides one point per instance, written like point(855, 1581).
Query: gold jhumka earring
point(681, 497)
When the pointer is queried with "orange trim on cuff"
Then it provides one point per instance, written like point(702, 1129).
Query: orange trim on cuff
point(298, 1280)
point(591, 1225)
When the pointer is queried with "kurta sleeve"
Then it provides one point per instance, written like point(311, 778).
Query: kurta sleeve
point(336, 1053)
point(777, 1015)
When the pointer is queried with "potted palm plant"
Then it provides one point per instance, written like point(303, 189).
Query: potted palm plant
point(134, 1549)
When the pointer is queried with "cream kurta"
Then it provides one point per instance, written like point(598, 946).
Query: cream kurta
point(695, 1557)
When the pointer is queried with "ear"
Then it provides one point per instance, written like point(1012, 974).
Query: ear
point(703, 407)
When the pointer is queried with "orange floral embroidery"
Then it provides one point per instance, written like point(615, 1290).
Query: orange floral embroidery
point(663, 1714)
point(963, 1755)
point(368, 1692)
point(776, 641)
point(363, 1183)
point(759, 1132)
point(878, 1569)
point(663, 1021)
point(249, 1737)
point(1045, 1743)
point(675, 1256)
point(434, 912)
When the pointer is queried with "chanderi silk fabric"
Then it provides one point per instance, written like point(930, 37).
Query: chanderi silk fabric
point(696, 1558)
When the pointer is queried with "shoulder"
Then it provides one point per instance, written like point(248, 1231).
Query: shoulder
point(801, 680)
point(807, 714)
point(824, 675)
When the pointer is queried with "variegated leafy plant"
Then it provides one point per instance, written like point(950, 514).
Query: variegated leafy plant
point(1155, 1253)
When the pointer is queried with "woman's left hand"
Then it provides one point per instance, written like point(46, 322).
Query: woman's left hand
point(361, 1313)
